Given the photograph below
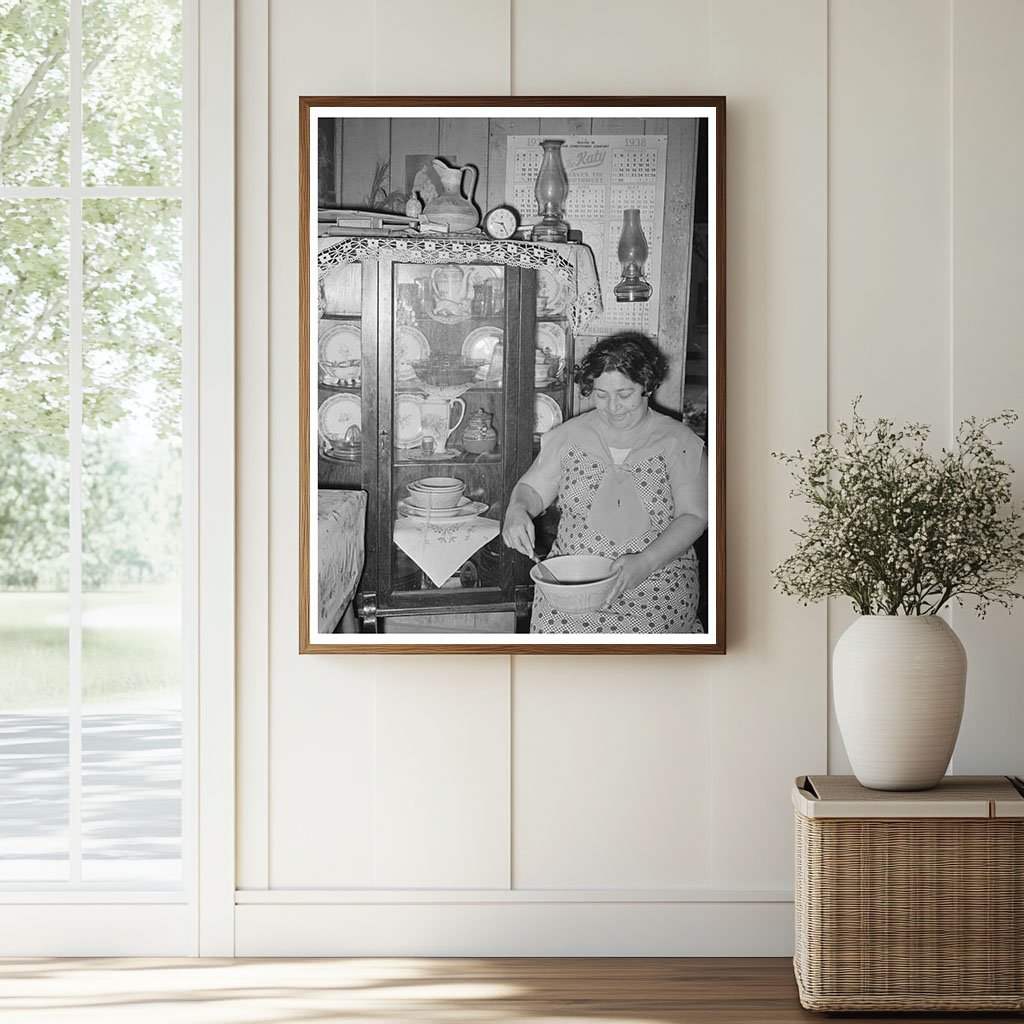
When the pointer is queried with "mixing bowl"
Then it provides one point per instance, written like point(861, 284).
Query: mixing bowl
point(585, 581)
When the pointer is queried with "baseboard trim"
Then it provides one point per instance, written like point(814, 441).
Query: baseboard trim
point(97, 929)
point(515, 928)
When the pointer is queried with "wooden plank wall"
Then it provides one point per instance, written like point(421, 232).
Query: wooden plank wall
point(366, 143)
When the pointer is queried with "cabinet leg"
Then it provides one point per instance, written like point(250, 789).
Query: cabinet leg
point(524, 603)
point(368, 613)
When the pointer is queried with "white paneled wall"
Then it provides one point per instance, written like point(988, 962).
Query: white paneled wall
point(986, 367)
point(889, 211)
point(611, 804)
point(889, 198)
point(611, 775)
point(768, 693)
point(442, 797)
point(581, 48)
point(446, 48)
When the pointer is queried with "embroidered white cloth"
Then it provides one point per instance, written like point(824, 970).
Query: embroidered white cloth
point(573, 263)
point(341, 522)
point(439, 550)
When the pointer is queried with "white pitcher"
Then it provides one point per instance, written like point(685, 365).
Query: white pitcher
point(436, 416)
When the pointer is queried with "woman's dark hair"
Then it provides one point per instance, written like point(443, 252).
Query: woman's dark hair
point(631, 353)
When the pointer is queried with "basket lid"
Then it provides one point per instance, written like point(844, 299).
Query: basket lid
point(957, 796)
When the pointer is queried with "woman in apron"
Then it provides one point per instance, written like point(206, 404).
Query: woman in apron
point(631, 484)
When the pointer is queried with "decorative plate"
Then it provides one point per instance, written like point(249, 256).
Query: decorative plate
point(337, 414)
point(552, 293)
point(418, 455)
point(411, 345)
point(546, 414)
point(408, 420)
point(551, 338)
point(442, 516)
point(339, 351)
point(463, 521)
point(479, 344)
point(419, 510)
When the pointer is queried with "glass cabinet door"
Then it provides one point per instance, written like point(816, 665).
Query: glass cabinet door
point(453, 449)
point(552, 355)
point(340, 419)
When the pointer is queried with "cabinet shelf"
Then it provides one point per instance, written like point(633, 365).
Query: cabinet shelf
point(485, 320)
point(494, 458)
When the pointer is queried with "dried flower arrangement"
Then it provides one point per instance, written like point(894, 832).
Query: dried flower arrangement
point(899, 530)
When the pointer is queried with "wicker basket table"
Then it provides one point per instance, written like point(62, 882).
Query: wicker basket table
point(910, 901)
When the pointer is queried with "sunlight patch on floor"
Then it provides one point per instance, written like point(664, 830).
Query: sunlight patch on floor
point(218, 991)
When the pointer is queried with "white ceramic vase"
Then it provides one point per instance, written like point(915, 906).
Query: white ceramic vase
point(898, 685)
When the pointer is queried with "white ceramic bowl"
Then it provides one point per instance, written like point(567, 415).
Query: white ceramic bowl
point(434, 499)
point(585, 582)
point(438, 483)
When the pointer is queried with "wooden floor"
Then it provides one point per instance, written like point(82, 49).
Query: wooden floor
point(387, 991)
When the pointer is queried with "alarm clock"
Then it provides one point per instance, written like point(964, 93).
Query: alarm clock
point(501, 222)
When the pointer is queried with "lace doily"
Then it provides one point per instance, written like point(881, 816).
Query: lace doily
point(572, 264)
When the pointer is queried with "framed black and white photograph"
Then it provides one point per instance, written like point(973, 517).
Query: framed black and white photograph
point(511, 355)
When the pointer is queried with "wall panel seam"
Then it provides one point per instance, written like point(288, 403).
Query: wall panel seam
point(408, 897)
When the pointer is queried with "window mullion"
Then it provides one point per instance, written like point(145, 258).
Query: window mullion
point(75, 335)
point(95, 191)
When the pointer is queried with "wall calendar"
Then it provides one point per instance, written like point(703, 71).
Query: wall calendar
point(607, 174)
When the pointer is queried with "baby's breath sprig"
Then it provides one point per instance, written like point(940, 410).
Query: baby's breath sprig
point(899, 530)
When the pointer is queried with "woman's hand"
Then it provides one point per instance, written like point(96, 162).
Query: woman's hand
point(631, 571)
point(517, 530)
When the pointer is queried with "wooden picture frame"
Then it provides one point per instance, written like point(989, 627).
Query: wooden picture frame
point(383, 304)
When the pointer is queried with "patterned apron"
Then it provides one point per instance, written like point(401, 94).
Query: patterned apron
point(666, 602)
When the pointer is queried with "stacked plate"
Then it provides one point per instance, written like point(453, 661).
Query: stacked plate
point(340, 353)
point(346, 451)
point(438, 499)
point(339, 428)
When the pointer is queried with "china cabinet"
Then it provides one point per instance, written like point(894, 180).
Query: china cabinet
point(436, 380)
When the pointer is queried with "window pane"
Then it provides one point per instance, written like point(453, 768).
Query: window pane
point(33, 540)
point(131, 541)
point(34, 92)
point(131, 92)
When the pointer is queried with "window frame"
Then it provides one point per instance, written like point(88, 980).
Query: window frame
point(69, 918)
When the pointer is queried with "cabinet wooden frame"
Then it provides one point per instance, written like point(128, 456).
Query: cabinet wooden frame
point(555, 117)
